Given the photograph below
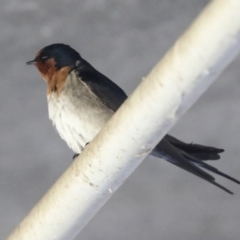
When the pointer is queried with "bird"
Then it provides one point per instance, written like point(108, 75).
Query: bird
point(81, 100)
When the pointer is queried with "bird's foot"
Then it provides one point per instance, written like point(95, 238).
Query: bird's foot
point(75, 155)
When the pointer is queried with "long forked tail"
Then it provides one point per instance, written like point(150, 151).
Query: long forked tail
point(191, 157)
point(199, 151)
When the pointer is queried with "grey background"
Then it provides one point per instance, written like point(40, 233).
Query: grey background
point(122, 39)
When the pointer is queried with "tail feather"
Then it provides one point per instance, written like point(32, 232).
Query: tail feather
point(208, 167)
point(190, 158)
point(200, 151)
point(212, 182)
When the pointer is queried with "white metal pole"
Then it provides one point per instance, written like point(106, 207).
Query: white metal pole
point(175, 83)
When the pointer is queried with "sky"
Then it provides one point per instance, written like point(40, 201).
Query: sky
point(123, 40)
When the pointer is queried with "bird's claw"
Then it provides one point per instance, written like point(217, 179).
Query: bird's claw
point(75, 156)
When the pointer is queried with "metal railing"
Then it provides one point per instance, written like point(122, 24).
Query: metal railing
point(173, 85)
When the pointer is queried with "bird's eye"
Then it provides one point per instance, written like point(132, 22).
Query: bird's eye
point(44, 57)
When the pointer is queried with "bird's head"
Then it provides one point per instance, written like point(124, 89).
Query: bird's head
point(54, 62)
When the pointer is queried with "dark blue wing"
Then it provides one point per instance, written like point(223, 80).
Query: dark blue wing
point(110, 94)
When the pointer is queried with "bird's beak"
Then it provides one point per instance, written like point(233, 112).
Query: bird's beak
point(31, 62)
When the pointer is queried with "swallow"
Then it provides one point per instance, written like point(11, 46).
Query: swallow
point(81, 100)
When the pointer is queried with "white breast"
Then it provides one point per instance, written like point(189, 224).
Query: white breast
point(76, 113)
